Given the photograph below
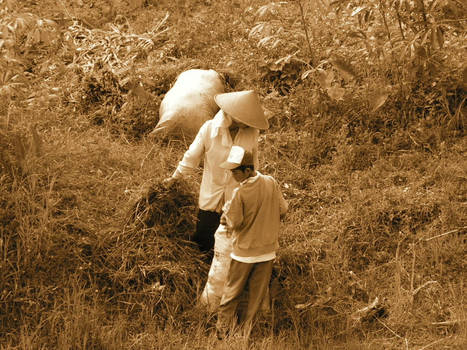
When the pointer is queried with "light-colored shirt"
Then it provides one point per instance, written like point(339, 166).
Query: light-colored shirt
point(254, 259)
point(253, 215)
point(213, 142)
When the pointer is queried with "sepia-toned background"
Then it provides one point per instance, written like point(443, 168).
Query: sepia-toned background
point(366, 101)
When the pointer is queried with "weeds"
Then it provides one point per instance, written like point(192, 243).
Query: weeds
point(171, 209)
point(367, 140)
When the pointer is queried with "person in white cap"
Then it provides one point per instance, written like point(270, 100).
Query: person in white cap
point(237, 123)
point(253, 216)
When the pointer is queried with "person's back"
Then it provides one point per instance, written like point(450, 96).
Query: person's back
point(254, 216)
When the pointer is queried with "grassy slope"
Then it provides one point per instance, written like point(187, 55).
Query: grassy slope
point(75, 279)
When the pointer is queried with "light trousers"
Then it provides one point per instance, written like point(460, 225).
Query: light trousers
point(256, 277)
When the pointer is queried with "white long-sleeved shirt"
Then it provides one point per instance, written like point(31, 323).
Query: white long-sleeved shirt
point(214, 142)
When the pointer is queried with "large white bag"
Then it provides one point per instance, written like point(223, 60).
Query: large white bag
point(189, 103)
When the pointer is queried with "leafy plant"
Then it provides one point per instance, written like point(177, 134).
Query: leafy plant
point(12, 81)
point(22, 32)
point(378, 51)
point(363, 141)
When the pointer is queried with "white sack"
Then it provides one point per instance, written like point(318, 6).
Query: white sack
point(212, 293)
point(189, 103)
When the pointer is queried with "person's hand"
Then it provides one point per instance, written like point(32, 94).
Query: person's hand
point(223, 220)
point(168, 181)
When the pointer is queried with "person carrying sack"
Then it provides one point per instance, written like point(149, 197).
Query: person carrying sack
point(237, 123)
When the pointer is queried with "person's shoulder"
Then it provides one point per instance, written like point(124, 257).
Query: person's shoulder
point(267, 177)
point(207, 125)
point(270, 180)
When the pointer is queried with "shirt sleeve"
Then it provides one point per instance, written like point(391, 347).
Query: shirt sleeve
point(193, 155)
point(234, 213)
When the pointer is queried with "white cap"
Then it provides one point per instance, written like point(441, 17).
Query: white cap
point(237, 156)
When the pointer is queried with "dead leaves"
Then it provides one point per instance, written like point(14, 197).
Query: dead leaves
point(325, 78)
point(115, 47)
point(341, 79)
point(345, 68)
point(377, 99)
point(336, 93)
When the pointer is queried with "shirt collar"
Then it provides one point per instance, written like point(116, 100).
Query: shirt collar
point(220, 121)
point(251, 179)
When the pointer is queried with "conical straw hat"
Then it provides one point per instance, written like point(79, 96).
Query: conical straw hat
point(243, 106)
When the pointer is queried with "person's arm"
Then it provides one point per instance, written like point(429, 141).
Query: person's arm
point(193, 155)
point(225, 208)
point(234, 213)
point(283, 205)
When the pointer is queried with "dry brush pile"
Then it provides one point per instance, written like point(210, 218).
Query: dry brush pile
point(54, 247)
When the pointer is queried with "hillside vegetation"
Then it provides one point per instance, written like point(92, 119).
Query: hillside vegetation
point(367, 139)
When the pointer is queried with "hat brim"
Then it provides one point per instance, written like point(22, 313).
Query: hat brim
point(244, 107)
point(229, 165)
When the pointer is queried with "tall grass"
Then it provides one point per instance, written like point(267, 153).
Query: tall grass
point(377, 196)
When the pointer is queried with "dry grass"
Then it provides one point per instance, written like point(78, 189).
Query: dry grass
point(95, 251)
point(170, 209)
